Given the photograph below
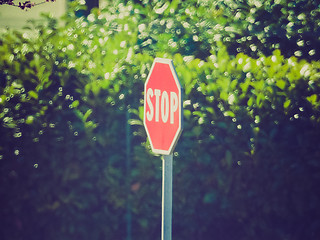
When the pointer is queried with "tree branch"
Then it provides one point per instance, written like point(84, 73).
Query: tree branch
point(23, 5)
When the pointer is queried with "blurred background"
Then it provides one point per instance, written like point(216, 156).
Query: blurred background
point(74, 158)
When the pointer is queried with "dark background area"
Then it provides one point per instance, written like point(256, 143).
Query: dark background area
point(74, 159)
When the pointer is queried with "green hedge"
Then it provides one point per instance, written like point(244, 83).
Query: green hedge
point(255, 28)
point(73, 150)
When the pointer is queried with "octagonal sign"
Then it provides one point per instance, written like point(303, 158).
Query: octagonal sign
point(162, 106)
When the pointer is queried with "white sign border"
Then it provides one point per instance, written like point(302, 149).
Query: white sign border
point(180, 128)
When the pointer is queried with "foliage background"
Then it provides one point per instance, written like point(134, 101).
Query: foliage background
point(73, 151)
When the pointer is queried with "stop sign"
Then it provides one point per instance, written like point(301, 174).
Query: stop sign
point(162, 106)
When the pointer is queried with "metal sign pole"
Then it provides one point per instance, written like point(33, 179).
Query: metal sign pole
point(162, 120)
point(166, 226)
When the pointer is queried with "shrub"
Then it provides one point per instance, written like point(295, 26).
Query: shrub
point(255, 28)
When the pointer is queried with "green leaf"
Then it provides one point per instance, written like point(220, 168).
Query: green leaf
point(198, 113)
point(224, 96)
point(229, 113)
point(197, 130)
point(116, 88)
point(260, 99)
point(135, 122)
point(286, 104)
point(86, 115)
point(186, 113)
point(33, 94)
point(75, 103)
point(29, 120)
point(250, 102)
point(312, 99)
point(210, 110)
point(281, 84)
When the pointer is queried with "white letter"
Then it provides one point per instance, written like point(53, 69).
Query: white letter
point(149, 113)
point(157, 93)
point(173, 105)
point(164, 106)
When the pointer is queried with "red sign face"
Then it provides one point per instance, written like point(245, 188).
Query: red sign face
point(162, 106)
